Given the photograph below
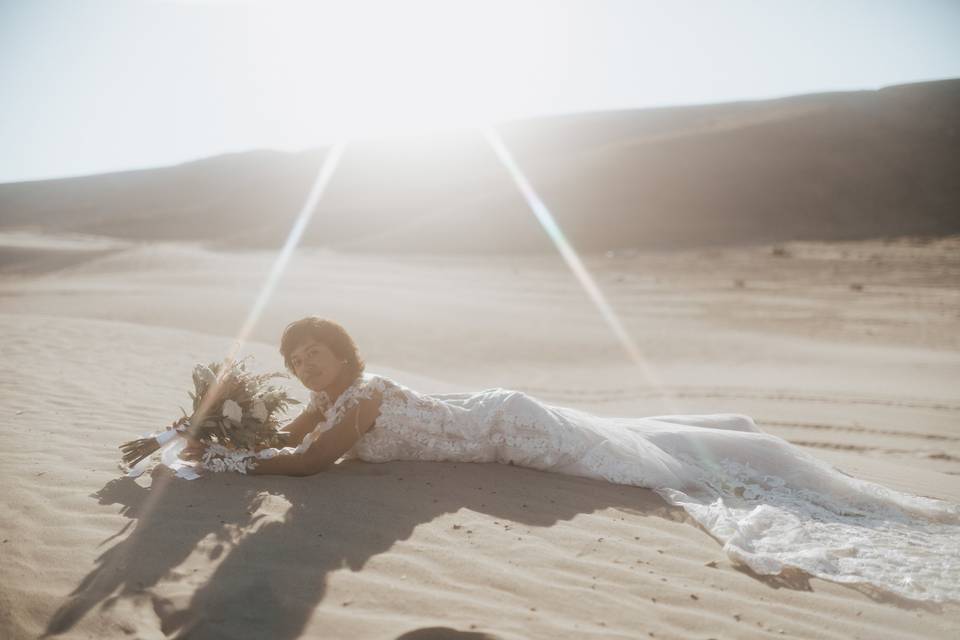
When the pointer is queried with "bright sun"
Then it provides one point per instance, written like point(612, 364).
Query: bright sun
point(361, 68)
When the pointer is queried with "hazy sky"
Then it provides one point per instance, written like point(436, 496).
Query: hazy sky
point(94, 86)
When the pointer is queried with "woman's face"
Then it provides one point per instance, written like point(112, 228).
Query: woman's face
point(315, 365)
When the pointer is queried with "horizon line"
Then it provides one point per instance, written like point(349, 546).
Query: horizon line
point(319, 145)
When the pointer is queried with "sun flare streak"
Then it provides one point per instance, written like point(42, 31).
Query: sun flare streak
point(330, 162)
point(570, 256)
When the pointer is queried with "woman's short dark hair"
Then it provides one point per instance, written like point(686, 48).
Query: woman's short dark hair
point(325, 331)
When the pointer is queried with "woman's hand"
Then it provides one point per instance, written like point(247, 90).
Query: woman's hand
point(194, 449)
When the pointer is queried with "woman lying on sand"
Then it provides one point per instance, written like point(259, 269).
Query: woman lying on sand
point(771, 504)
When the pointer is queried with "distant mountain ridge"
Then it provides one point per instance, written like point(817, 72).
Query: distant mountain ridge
point(832, 166)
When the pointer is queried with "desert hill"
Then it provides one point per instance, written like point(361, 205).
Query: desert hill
point(833, 166)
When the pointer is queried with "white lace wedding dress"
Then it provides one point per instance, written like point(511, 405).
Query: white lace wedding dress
point(771, 504)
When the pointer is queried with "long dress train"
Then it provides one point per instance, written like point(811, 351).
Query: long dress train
point(771, 504)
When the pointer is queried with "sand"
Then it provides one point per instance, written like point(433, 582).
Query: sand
point(849, 350)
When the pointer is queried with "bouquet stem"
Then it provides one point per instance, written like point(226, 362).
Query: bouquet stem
point(136, 450)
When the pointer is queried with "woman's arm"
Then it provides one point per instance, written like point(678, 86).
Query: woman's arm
point(331, 444)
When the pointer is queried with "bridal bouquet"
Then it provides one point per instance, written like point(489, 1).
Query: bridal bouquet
point(235, 413)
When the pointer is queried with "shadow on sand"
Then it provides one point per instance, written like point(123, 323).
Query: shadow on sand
point(275, 539)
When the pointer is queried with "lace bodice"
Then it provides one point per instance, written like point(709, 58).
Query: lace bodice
point(493, 425)
point(770, 503)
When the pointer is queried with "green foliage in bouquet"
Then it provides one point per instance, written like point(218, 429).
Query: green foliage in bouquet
point(231, 407)
point(237, 409)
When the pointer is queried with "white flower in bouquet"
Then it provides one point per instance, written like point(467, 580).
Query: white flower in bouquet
point(259, 410)
point(232, 411)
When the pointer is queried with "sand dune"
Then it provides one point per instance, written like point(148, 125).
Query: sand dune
point(99, 350)
point(837, 166)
